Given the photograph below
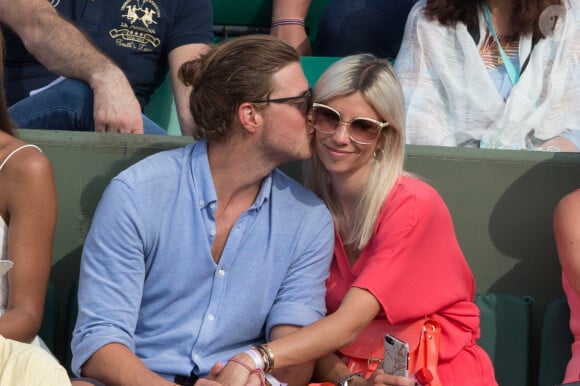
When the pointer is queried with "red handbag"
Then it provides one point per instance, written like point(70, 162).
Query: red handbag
point(423, 336)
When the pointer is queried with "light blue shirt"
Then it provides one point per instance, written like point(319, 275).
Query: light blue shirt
point(148, 280)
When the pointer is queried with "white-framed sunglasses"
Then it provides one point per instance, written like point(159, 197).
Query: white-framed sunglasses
point(361, 130)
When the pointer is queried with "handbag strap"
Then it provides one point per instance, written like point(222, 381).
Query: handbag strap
point(429, 349)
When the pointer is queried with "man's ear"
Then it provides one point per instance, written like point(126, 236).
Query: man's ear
point(249, 117)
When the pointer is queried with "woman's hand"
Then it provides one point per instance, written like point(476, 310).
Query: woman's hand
point(379, 378)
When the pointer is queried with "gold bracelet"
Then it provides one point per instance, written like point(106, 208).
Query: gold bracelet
point(263, 355)
point(270, 355)
point(267, 357)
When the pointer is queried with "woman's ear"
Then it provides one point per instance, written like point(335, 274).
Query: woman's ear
point(381, 141)
point(249, 117)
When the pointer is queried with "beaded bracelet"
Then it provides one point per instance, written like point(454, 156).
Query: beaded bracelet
point(278, 22)
point(257, 371)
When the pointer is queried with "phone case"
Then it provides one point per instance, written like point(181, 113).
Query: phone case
point(396, 358)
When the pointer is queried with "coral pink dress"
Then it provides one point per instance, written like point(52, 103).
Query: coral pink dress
point(414, 267)
point(573, 369)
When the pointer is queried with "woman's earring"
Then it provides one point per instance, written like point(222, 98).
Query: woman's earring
point(379, 153)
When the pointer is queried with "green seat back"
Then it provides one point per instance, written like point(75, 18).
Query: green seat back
point(555, 343)
point(314, 66)
point(248, 12)
point(162, 110)
point(505, 335)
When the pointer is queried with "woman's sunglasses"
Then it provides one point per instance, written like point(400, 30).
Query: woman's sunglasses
point(363, 131)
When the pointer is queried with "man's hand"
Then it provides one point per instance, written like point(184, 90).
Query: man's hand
point(116, 109)
point(236, 374)
point(215, 371)
point(212, 376)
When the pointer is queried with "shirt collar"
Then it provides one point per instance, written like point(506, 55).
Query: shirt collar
point(204, 192)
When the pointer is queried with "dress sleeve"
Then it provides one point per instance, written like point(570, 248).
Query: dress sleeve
point(415, 266)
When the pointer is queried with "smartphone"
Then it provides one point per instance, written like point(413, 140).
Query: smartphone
point(396, 359)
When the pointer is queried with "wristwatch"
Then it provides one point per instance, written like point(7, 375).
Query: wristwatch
point(345, 381)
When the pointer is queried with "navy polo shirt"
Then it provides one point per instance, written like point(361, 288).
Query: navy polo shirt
point(137, 35)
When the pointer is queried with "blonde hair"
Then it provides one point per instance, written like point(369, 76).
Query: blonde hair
point(375, 79)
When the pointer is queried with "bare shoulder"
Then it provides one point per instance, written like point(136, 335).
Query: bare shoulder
point(26, 162)
point(566, 215)
point(569, 205)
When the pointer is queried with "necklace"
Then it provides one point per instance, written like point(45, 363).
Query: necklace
point(500, 46)
point(513, 73)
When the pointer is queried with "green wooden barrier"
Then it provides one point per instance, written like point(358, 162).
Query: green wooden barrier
point(501, 203)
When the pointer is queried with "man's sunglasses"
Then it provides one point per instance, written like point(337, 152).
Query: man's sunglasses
point(302, 102)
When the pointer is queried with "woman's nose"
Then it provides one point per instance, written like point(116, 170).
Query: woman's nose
point(341, 134)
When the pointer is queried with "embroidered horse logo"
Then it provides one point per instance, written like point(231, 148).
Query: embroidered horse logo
point(132, 14)
point(147, 17)
point(144, 11)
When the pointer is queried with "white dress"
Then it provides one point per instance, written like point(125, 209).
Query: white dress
point(4, 254)
point(451, 99)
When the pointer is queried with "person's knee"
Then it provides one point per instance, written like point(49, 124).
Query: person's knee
point(67, 105)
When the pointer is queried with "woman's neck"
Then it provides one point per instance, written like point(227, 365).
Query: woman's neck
point(501, 15)
point(348, 189)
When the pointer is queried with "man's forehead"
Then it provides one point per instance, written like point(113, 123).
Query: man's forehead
point(290, 79)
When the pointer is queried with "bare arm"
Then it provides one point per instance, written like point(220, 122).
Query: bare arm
point(116, 365)
point(30, 206)
point(339, 329)
point(295, 35)
point(64, 50)
point(295, 375)
point(181, 93)
point(567, 234)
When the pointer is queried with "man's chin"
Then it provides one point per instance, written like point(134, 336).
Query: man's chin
point(307, 153)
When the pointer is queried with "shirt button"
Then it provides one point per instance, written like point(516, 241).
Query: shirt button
point(196, 357)
point(201, 202)
point(221, 272)
point(212, 205)
point(212, 232)
point(210, 317)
